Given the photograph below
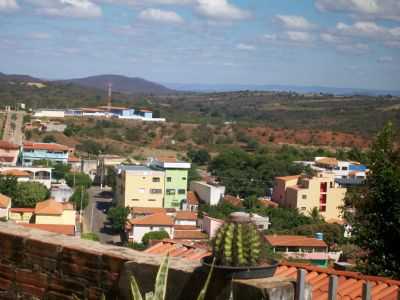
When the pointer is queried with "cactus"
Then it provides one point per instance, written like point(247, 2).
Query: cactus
point(238, 244)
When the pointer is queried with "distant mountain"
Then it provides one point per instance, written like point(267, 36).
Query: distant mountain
point(280, 88)
point(18, 77)
point(123, 84)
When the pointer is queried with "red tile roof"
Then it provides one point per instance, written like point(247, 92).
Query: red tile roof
point(267, 203)
point(45, 146)
point(4, 201)
point(188, 251)
point(147, 210)
point(167, 159)
point(16, 173)
point(7, 159)
point(8, 146)
point(185, 227)
point(192, 198)
point(62, 229)
point(73, 159)
point(294, 241)
point(186, 215)
point(22, 210)
point(160, 219)
point(349, 283)
point(235, 201)
point(190, 235)
point(52, 207)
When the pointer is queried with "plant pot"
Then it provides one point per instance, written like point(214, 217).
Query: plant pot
point(251, 272)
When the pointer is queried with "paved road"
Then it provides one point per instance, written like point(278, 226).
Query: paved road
point(95, 219)
point(13, 127)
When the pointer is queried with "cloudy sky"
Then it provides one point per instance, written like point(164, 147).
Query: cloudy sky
point(341, 43)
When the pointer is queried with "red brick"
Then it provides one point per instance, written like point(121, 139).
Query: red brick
point(92, 275)
point(29, 277)
point(31, 290)
point(66, 286)
point(42, 249)
point(58, 296)
point(5, 284)
point(12, 247)
point(113, 263)
point(7, 272)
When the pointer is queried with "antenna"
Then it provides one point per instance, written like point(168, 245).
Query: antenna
point(109, 96)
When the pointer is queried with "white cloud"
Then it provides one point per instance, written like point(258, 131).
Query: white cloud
point(245, 47)
point(295, 22)
point(149, 2)
point(270, 37)
point(8, 5)
point(381, 9)
point(158, 15)
point(330, 38)
point(299, 36)
point(385, 59)
point(68, 8)
point(221, 10)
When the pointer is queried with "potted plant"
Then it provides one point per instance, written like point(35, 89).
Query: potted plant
point(240, 251)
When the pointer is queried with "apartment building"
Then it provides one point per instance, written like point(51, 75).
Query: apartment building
point(305, 193)
point(139, 186)
point(44, 151)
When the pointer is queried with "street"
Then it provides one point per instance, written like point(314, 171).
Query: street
point(95, 215)
point(13, 127)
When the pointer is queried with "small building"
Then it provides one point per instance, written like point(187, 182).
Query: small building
point(32, 151)
point(210, 225)
point(138, 227)
point(261, 222)
point(53, 127)
point(5, 205)
point(54, 213)
point(186, 218)
point(21, 214)
point(192, 202)
point(234, 201)
point(147, 114)
point(49, 113)
point(9, 153)
point(208, 193)
point(61, 192)
point(119, 111)
point(32, 174)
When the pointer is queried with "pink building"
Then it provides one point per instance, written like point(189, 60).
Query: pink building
point(9, 153)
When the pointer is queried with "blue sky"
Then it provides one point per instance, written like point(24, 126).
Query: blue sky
point(341, 43)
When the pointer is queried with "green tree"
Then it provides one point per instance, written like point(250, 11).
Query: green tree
point(49, 139)
point(154, 235)
point(118, 217)
point(193, 174)
point(80, 196)
point(29, 193)
point(200, 157)
point(376, 224)
point(90, 147)
point(60, 170)
point(8, 186)
point(78, 179)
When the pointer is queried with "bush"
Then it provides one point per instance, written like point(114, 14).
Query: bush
point(154, 235)
point(49, 139)
point(80, 196)
point(29, 193)
point(90, 236)
point(118, 217)
point(78, 179)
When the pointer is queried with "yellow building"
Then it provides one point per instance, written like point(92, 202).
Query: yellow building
point(5, 205)
point(139, 186)
point(55, 213)
point(21, 215)
point(306, 193)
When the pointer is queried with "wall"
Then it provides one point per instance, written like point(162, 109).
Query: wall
point(67, 218)
point(208, 193)
point(186, 222)
point(210, 225)
point(279, 192)
point(177, 183)
point(24, 217)
point(10, 153)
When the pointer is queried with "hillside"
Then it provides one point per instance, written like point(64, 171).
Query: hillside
point(122, 84)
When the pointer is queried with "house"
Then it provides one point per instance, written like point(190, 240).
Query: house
point(139, 186)
point(42, 175)
point(209, 193)
point(138, 227)
point(21, 215)
point(54, 213)
point(261, 222)
point(175, 180)
point(306, 193)
point(147, 114)
point(61, 192)
point(75, 163)
point(9, 153)
point(32, 151)
point(210, 225)
point(118, 111)
point(186, 218)
point(5, 205)
point(267, 202)
point(192, 202)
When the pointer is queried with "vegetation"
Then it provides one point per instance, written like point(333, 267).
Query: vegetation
point(78, 179)
point(200, 157)
point(118, 216)
point(80, 198)
point(49, 139)
point(154, 235)
point(376, 223)
point(90, 236)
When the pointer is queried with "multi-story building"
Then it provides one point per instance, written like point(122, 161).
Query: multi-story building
point(306, 193)
point(44, 151)
point(139, 186)
point(9, 153)
point(209, 193)
point(176, 179)
point(24, 174)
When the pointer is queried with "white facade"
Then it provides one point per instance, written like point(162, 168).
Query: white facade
point(138, 231)
point(4, 212)
point(210, 225)
point(186, 222)
point(37, 174)
point(261, 222)
point(210, 194)
point(49, 113)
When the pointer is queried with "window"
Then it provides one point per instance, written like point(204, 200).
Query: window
point(322, 208)
point(344, 168)
point(156, 179)
point(175, 204)
point(303, 196)
point(169, 179)
point(170, 192)
point(152, 200)
point(183, 178)
point(303, 208)
point(135, 199)
point(155, 191)
point(141, 190)
point(181, 192)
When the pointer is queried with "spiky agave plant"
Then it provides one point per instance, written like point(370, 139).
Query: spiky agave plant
point(238, 244)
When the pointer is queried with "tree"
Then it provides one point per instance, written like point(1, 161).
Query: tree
point(29, 193)
point(154, 235)
point(250, 202)
point(49, 139)
point(90, 147)
point(8, 186)
point(60, 170)
point(333, 233)
point(193, 174)
point(200, 157)
point(376, 224)
point(78, 179)
point(118, 217)
point(80, 196)
point(316, 216)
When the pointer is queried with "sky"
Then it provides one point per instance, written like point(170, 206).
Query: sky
point(337, 43)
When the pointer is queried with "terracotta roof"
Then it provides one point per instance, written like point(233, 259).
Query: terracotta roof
point(190, 235)
point(22, 210)
point(349, 283)
point(192, 198)
point(165, 158)
point(235, 201)
point(90, 109)
point(186, 215)
point(161, 219)
point(329, 161)
point(62, 229)
point(294, 241)
point(185, 227)
point(287, 178)
point(73, 159)
point(8, 146)
point(188, 251)
point(7, 159)
point(45, 146)
point(16, 173)
point(52, 207)
point(267, 203)
point(147, 210)
point(145, 110)
point(113, 107)
point(4, 201)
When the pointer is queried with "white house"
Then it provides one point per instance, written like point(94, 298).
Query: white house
point(24, 174)
point(261, 222)
point(186, 218)
point(5, 205)
point(210, 225)
point(138, 227)
point(208, 193)
point(49, 113)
